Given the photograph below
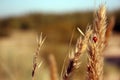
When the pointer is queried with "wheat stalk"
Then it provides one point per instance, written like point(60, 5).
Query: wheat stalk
point(36, 64)
point(53, 68)
point(74, 56)
point(97, 45)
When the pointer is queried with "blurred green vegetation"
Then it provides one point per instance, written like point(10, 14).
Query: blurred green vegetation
point(56, 23)
point(46, 22)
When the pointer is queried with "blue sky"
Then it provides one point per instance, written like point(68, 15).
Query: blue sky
point(17, 7)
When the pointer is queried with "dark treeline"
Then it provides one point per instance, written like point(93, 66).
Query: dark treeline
point(46, 22)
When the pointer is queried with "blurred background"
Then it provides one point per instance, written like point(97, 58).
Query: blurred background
point(21, 20)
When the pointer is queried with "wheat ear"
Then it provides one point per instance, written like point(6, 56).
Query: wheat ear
point(36, 64)
point(110, 26)
point(74, 56)
point(97, 45)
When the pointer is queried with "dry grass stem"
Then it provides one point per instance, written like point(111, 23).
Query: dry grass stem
point(53, 67)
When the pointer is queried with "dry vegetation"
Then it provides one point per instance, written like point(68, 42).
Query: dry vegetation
point(94, 41)
point(84, 58)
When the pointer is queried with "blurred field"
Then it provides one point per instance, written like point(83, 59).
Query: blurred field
point(18, 44)
point(17, 52)
point(16, 56)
